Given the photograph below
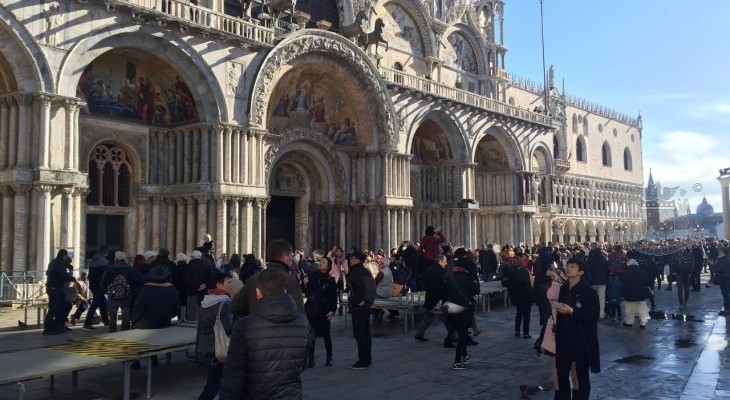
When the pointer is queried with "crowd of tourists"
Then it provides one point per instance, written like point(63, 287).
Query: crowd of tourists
point(275, 311)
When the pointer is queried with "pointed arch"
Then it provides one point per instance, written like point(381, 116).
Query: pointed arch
point(606, 154)
point(581, 153)
point(628, 161)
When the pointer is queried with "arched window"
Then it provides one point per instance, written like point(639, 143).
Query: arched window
point(110, 177)
point(627, 159)
point(606, 154)
point(580, 150)
point(585, 126)
point(575, 123)
point(398, 66)
point(555, 146)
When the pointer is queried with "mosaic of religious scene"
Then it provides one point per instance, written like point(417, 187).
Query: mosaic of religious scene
point(314, 100)
point(459, 54)
point(401, 31)
point(430, 144)
point(136, 86)
point(490, 155)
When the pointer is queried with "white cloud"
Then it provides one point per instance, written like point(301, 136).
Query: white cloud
point(689, 160)
point(708, 109)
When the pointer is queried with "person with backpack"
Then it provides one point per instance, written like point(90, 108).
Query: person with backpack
point(97, 267)
point(117, 282)
point(216, 304)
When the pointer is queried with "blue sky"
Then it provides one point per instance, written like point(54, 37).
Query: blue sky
point(668, 59)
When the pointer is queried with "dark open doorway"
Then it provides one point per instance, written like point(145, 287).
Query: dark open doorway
point(280, 219)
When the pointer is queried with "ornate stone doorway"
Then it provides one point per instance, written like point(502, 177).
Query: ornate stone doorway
point(280, 217)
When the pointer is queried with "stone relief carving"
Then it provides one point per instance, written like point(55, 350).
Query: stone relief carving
point(330, 46)
point(454, 10)
point(235, 80)
point(306, 135)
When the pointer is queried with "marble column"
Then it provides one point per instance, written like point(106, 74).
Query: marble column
point(725, 187)
point(4, 132)
point(44, 131)
point(170, 226)
point(180, 220)
point(43, 224)
point(13, 136)
point(25, 102)
point(257, 241)
point(156, 225)
point(142, 202)
point(191, 236)
point(67, 217)
point(80, 219)
point(233, 224)
point(202, 216)
point(221, 223)
point(6, 240)
point(68, 160)
point(187, 159)
point(247, 226)
point(205, 154)
point(236, 158)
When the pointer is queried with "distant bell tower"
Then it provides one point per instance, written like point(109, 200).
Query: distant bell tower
point(651, 204)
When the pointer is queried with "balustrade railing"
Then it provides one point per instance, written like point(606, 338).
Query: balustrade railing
point(461, 96)
point(196, 15)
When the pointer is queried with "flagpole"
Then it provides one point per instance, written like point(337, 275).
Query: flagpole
point(544, 72)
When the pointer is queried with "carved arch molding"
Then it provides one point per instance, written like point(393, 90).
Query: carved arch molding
point(329, 154)
point(334, 46)
point(418, 12)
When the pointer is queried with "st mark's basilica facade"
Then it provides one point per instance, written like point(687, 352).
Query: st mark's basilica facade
point(143, 124)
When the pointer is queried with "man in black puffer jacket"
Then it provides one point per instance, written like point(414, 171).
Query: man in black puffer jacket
point(268, 347)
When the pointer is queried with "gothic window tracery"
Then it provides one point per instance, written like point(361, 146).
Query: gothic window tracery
point(110, 177)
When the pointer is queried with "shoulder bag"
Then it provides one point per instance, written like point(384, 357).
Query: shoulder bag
point(221, 338)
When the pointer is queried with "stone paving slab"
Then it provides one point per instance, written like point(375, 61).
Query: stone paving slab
point(671, 359)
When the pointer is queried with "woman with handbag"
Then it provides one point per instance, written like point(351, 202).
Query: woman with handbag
point(215, 307)
point(320, 289)
point(460, 290)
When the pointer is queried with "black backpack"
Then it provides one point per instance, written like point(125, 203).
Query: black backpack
point(118, 288)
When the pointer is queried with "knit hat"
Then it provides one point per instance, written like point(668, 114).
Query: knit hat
point(197, 254)
point(120, 255)
point(632, 262)
point(159, 273)
point(149, 254)
point(181, 257)
point(359, 255)
point(460, 252)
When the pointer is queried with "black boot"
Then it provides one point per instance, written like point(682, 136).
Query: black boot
point(329, 361)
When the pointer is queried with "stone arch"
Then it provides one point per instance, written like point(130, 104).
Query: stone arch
point(23, 66)
point(581, 150)
point(606, 159)
point(447, 122)
point(402, 30)
point(132, 154)
point(600, 231)
point(568, 230)
point(591, 230)
point(420, 16)
point(176, 52)
point(317, 42)
point(317, 146)
point(508, 142)
point(543, 155)
point(580, 229)
point(472, 40)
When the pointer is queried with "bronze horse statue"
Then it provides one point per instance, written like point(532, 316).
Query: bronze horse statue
point(374, 37)
point(245, 4)
point(355, 29)
point(274, 8)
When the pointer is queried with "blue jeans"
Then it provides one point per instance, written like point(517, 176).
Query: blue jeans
point(98, 301)
point(215, 372)
point(55, 318)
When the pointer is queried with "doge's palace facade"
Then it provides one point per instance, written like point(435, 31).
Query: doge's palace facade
point(142, 124)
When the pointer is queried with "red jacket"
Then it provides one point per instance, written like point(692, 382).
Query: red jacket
point(429, 247)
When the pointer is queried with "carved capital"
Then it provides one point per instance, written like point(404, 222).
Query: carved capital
point(66, 191)
point(43, 189)
point(201, 200)
point(143, 198)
